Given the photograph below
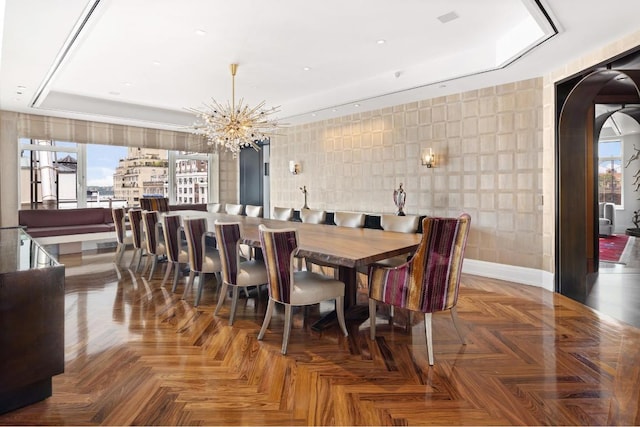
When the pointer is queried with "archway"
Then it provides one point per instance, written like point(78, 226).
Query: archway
point(576, 173)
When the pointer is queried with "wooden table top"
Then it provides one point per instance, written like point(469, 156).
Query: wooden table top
point(340, 246)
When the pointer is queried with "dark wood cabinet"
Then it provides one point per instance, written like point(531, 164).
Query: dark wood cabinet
point(31, 320)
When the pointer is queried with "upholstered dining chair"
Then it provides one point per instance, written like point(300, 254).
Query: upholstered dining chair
point(175, 249)
point(233, 209)
point(203, 258)
point(398, 224)
point(160, 204)
point(294, 288)
point(254, 211)
point(283, 214)
point(313, 216)
point(429, 282)
point(154, 239)
point(139, 244)
point(214, 207)
point(123, 237)
point(349, 219)
point(247, 251)
point(235, 273)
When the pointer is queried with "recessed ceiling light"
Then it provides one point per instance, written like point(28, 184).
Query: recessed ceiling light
point(114, 92)
point(156, 62)
point(127, 83)
point(201, 32)
point(441, 86)
point(356, 105)
point(381, 41)
point(307, 68)
point(448, 17)
point(334, 109)
point(313, 114)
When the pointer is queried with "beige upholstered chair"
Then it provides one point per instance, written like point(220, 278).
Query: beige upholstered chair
point(349, 219)
point(235, 273)
point(283, 214)
point(399, 224)
point(154, 239)
point(176, 250)
point(214, 207)
point(430, 280)
point(203, 258)
point(294, 288)
point(254, 211)
point(312, 216)
point(233, 209)
point(123, 237)
point(139, 244)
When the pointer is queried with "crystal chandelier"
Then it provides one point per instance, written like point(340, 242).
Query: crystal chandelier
point(231, 127)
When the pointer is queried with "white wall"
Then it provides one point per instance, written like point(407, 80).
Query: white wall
point(630, 196)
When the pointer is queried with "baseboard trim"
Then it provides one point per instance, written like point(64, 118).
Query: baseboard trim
point(510, 273)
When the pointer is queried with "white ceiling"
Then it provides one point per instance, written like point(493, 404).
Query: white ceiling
point(142, 62)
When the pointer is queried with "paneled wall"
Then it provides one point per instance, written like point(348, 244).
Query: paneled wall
point(489, 148)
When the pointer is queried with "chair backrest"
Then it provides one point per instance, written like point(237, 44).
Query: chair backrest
point(214, 207)
point(279, 247)
point(228, 235)
point(118, 223)
point(313, 216)
point(149, 224)
point(194, 229)
point(283, 214)
point(233, 209)
point(255, 211)
point(160, 204)
point(432, 275)
point(171, 230)
point(135, 220)
point(349, 219)
point(400, 224)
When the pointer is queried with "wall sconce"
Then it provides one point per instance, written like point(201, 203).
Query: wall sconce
point(294, 167)
point(427, 158)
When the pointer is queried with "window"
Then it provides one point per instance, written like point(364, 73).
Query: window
point(610, 172)
point(62, 175)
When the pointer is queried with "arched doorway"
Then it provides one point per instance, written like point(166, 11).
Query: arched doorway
point(576, 172)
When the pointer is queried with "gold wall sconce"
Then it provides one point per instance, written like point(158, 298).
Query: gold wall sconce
point(427, 158)
point(294, 167)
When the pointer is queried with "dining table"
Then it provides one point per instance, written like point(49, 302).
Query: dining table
point(347, 249)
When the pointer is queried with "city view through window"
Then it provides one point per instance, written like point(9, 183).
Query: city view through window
point(64, 175)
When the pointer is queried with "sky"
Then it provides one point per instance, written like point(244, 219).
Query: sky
point(102, 161)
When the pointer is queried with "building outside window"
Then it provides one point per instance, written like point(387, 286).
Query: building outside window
point(610, 178)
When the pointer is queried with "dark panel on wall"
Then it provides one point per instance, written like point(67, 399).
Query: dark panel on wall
point(251, 177)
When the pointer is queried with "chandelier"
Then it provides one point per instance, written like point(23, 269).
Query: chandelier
point(231, 127)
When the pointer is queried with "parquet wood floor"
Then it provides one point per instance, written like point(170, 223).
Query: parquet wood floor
point(138, 354)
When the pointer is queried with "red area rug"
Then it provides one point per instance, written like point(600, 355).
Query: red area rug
point(611, 247)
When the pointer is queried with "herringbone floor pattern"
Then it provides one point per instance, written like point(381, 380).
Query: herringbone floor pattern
point(136, 354)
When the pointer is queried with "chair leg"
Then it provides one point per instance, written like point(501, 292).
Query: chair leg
point(176, 273)
point(429, 335)
point(287, 328)
point(167, 272)
point(154, 263)
point(234, 303)
point(201, 277)
point(189, 284)
point(456, 324)
point(340, 312)
point(119, 253)
point(267, 318)
point(372, 318)
point(221, 297)
point(140, 259)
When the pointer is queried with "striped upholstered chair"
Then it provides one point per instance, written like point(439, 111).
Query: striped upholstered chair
point(154, 239)
point(235, 273)
point(139, 244)
point(203, 258)
point(294, 288)
point(175, 249)
point(123, 237)
point(430, 280)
